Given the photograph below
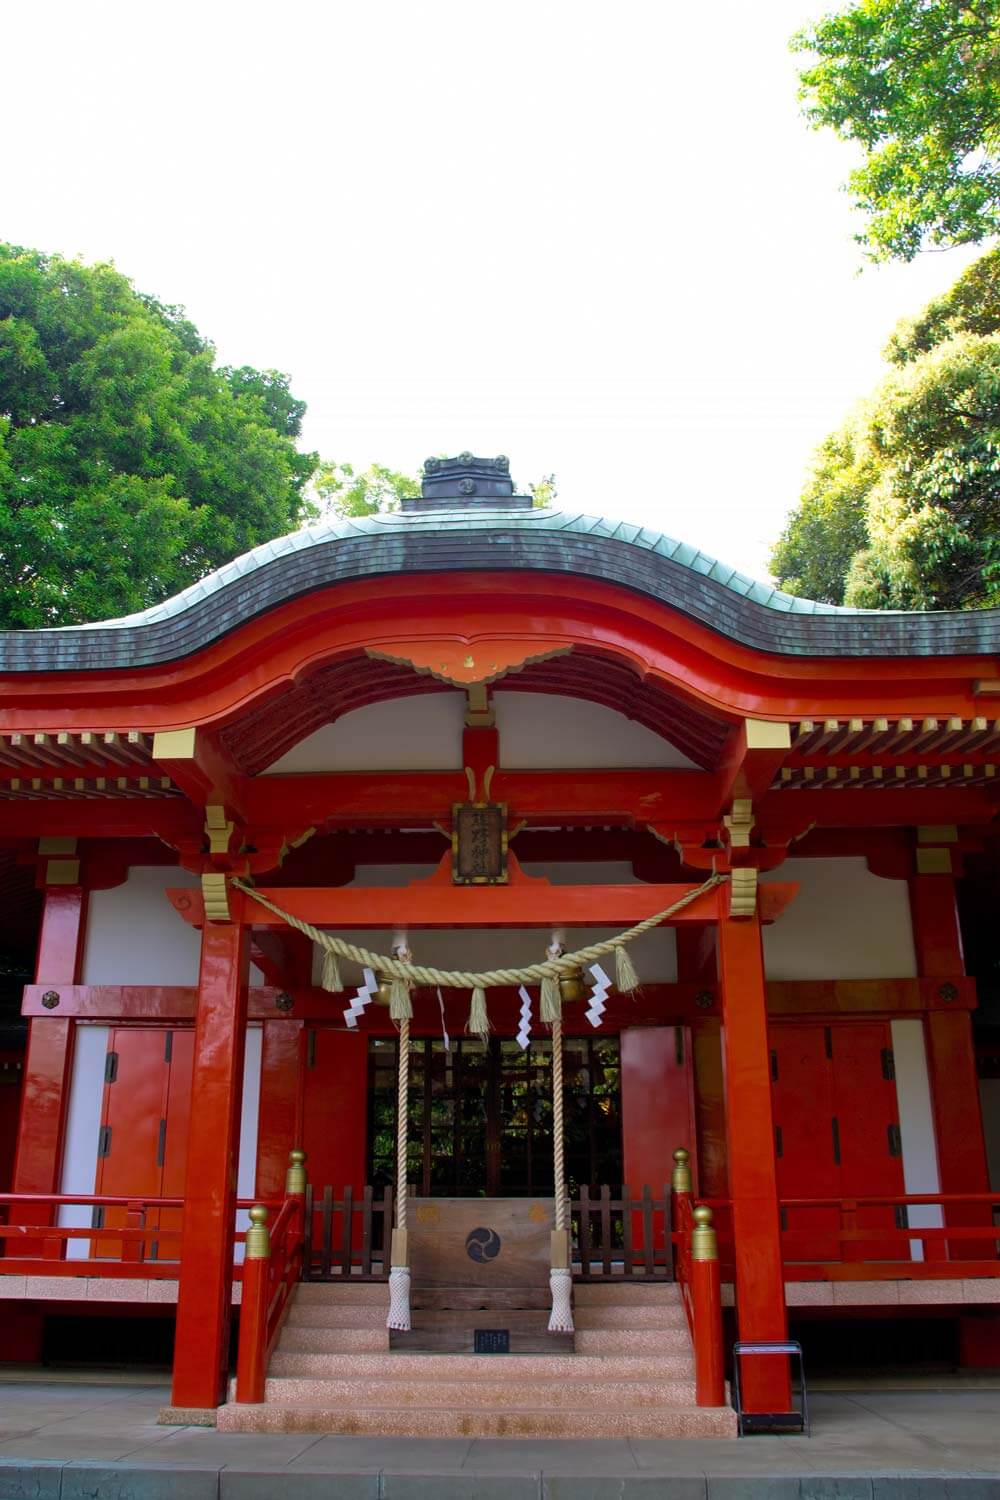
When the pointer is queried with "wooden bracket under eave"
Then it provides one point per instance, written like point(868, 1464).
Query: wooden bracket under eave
point(743, 891)
point(215, 895)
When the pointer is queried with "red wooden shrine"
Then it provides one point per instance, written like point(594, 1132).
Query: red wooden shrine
point(309, 719)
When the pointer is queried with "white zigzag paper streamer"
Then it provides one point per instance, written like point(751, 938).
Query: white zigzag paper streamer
point(524, 1030)
point(365, 995)
point(599, 997)
point(444, 1025)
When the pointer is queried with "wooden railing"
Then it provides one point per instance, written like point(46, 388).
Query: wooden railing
point(129, 1237)
point(626, 1236)
point(872, 1238)
point(347, 1236)
point(699, 1278)
point(271, 1269)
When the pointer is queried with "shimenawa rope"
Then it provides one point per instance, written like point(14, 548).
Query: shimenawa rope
point(462, 979)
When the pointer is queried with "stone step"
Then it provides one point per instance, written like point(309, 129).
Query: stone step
point(332, 1340)
point(630, 1317)
point(632, 1341)
point(318, 1315)
point(659, 1421)
point(516, 1367)
point(494, 1395)
point(622, 1292)
point(344, 1293)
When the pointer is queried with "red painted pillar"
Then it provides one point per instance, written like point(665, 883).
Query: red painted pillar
point(753, 1185)
point(951, 1058)
point(50, 1047)
point(201, 1351)
point(280, 1127)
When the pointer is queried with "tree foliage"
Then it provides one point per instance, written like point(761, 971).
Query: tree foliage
point(130, 463)
point(915, 83)
point(340, 488)
point(902, 510)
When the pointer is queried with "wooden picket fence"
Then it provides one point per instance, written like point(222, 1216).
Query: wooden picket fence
point(626, 1236)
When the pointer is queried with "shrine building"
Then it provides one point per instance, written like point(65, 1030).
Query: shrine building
point(333, 1071)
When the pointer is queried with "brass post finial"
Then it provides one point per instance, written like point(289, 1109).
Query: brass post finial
point(704, 1241)
point(680, 1179)
point(258, 1246)
point(295, 1177)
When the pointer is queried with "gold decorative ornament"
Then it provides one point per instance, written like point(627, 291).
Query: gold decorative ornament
point(704, 1243)
point(680, 1179)
point(295, 1177)
point(258, 1244)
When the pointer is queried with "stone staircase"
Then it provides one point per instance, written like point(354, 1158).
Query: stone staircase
point(631, 1374)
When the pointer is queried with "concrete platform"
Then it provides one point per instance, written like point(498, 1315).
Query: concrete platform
point(88, 1441)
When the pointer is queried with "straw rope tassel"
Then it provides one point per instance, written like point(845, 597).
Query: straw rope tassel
point(560, 1276)
point(330, 973)
point(399, 1276)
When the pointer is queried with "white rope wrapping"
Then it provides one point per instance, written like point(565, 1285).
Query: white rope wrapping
point(399, 1299)
point(462, 979)
point(561, 1287)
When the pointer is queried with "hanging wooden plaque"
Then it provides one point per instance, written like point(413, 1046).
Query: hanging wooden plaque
point(479, 843)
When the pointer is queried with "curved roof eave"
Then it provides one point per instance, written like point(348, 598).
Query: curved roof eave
point(753, 614)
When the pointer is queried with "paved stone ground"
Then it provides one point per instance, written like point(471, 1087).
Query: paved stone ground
point(101, 1442)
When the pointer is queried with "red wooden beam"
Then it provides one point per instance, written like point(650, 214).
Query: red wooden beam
point(535, 903)
point(420, 798)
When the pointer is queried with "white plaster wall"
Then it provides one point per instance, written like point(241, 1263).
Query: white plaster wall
point(545, 730)
point(844, 923)
point(246, 1172)
point(916, 1125)
point(83, 1124)
point(134, 936)
point(654, 954)
point(424, 733)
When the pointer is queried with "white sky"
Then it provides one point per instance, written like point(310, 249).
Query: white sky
point(596, 237)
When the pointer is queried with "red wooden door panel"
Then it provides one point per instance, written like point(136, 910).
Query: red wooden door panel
point(867, 1113)
point(178, 1113)
point(657, 1092)
point(132, 1122)
point(804, 1142)
point(335, 1111)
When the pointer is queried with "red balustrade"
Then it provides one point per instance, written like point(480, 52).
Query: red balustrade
point(272, 1266)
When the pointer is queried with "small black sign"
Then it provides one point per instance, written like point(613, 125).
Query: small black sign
point(492, 1340)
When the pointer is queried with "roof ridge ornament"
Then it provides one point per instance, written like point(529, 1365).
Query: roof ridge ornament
point(467, 482)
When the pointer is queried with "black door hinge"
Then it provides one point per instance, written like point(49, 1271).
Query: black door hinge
point(111, 1067)
point(895, 1140)
point(168, 1047)
point(679, 1046)
point(902, 1216)
point(97, 1217)
point(161, 1144)
point(835, 1133)
point(783, 1218)
point(311, 1049)
point(828, 1040)
point(104, 1141)
point(888, 1064)
point(779, 1145)
point(774, 1066)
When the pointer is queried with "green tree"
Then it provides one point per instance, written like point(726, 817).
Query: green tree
point(915, 83)
point(341, 489)
point(902, 510)
point(130, 463)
